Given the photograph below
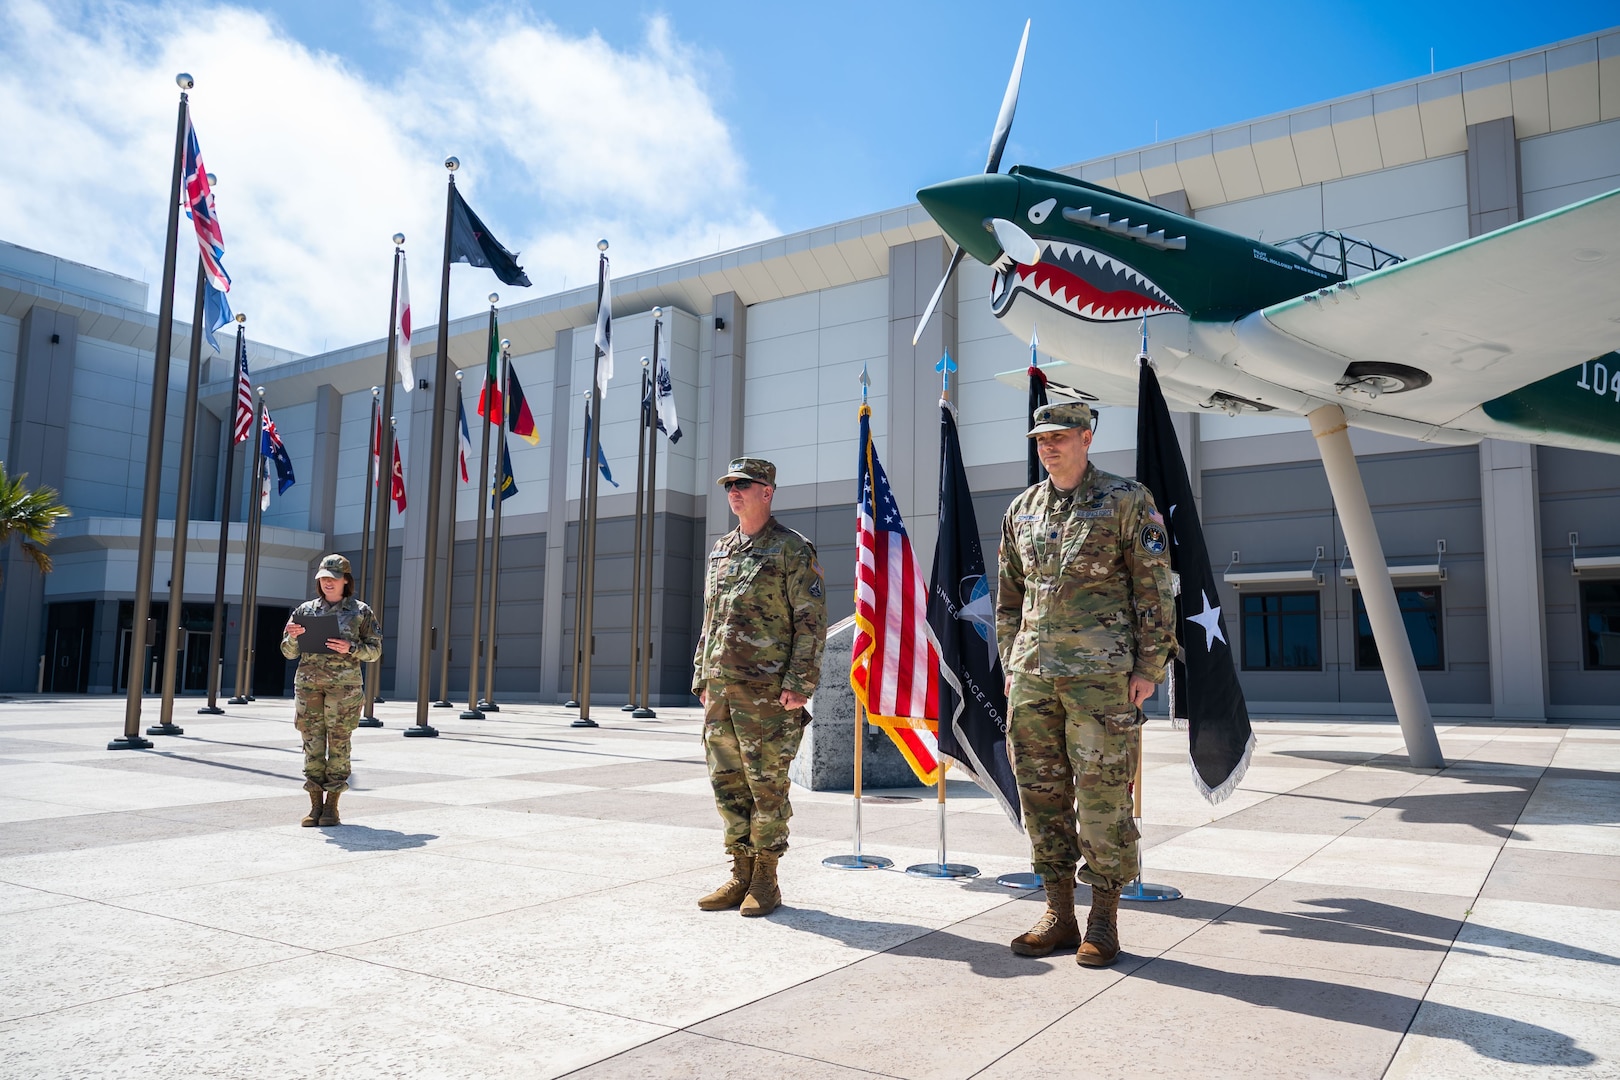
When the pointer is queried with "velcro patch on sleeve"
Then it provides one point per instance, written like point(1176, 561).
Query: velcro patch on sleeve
point(1153, 538)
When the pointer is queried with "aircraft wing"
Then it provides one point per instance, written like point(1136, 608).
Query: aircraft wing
point(1482, 319)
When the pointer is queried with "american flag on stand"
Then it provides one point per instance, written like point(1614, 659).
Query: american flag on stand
point(199, 207)
point(242, 425)
point(895, 669)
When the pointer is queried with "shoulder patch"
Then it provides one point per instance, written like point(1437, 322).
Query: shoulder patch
point(1153, 539)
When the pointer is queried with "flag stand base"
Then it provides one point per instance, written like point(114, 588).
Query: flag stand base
point(423, 732)
point(857, 862)
point(133, 742)
point(370, 721)
point(471, 714)
point(165, 729)
point(237, 701)
point(943, 870)
point(570, 704)
point(210, 710)
point(644, 714)
point(628, 707)
point(489, 706)
point(444, 704)
point(1148, 894)
point(584, 721)
point(1020, 881)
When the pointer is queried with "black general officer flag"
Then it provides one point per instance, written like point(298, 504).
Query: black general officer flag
point(1220, 739)
point(471, 242)
point(961, 611)
point(1033, 470)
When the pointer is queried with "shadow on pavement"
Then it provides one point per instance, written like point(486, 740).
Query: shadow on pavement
point(365, 838)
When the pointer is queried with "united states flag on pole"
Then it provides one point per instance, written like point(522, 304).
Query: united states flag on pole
point(895, 670)
point(199, 206)
point(243, 421)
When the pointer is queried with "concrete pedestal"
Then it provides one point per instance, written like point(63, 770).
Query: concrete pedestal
point(826, 758)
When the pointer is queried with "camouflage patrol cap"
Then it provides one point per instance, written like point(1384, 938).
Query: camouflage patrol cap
point(333, 566)
point(1063, 416)
point(750, 468)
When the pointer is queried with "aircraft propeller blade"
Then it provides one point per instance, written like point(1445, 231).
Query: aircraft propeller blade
point(933, 301)
point(1009, 105)
point(998, 142)
point(1018, 244)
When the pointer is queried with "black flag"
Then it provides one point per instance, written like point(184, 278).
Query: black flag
point(1034, 471)
point(471, 242)
point(1219, 737)
point(961, 612)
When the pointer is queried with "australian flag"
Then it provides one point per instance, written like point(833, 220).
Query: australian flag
point(1220, 740)
point(961, 609)
point(471, 242)
point(270, 446)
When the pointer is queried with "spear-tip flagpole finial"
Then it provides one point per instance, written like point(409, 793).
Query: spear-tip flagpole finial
point(602, 245)
point(184, 81)
point(452, 163)
point(866, 382)
point(399, 239)
point(494, 298)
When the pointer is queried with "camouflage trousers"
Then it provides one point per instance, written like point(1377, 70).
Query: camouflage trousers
point(326, 717)
point(749, 740)
point(1074, 747)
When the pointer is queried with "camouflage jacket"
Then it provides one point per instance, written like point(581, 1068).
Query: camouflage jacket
point(358, 626)
point(1085, 581)
point(764, 615)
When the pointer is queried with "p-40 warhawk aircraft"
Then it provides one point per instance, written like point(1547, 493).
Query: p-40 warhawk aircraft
point(1506, 335)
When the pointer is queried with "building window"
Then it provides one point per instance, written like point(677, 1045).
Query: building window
point(1420, 611)
point(1282, 632)
point(1600, 621)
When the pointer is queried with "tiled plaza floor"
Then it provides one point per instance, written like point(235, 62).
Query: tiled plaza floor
point(516, 898)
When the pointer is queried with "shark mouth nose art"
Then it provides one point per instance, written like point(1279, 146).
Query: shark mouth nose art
point(1082, 281)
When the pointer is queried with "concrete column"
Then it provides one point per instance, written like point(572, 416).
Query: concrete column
point(1515, 611)
point(1494, 199)
point(555, 610)
point(725, 407)
point(1377, 591)
point(914, 385)
point(42, 396)
point(323, 495)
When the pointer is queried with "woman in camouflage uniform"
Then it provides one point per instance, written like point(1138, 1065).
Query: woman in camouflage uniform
point(327, 690)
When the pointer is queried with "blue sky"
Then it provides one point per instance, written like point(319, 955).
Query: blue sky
point(675, 128)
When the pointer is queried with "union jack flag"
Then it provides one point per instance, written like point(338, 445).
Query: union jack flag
point(198, 201)
point(243, 422)
point(895, 670)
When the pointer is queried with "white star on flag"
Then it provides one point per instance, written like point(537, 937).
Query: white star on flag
point(1210, 620)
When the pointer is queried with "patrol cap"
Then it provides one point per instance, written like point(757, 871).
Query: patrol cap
point(1063, 416)
point(750, 468)
point(333, 566)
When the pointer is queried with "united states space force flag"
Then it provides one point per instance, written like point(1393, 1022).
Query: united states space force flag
point(1220, 740)
point(961, 609)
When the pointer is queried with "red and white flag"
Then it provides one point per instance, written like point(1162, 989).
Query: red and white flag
point(402, 331)
point(895, 667)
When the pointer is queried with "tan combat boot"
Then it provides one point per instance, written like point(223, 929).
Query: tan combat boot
point(329, 813)
point(1056, 928)
point(1101, 946)
point(313, 818)
point(763, 894)
point(731, 893)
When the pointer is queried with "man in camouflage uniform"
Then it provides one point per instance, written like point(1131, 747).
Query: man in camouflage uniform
point(327, 689)
point(757, 662)
point(1085, 624)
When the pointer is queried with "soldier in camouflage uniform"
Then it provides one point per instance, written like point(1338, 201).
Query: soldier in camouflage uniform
point(757, 663)
point(327, 690)
point(1085, 624)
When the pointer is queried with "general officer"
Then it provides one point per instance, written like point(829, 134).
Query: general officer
point(757, 662)
point(327, 689)
point(1085, 625)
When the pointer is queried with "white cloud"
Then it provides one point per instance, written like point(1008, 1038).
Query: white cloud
point(562, 140)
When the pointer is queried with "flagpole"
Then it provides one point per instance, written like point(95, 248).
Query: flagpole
point(385, 501)
point(254, 460)
point(182, 517)
point(250, 567)
point(497, 497)
point(1136, 890)
point(489, 395)
point(216, 637)
point(629, 705)
point(441, 377)
point(587, 630)
point(579, 553)
point(857, 861)
point(444, 701)
point(646, 644)
point(373, 478)
point(147, 550)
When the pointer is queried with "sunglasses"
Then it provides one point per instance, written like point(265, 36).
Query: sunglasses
point(738, 485)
